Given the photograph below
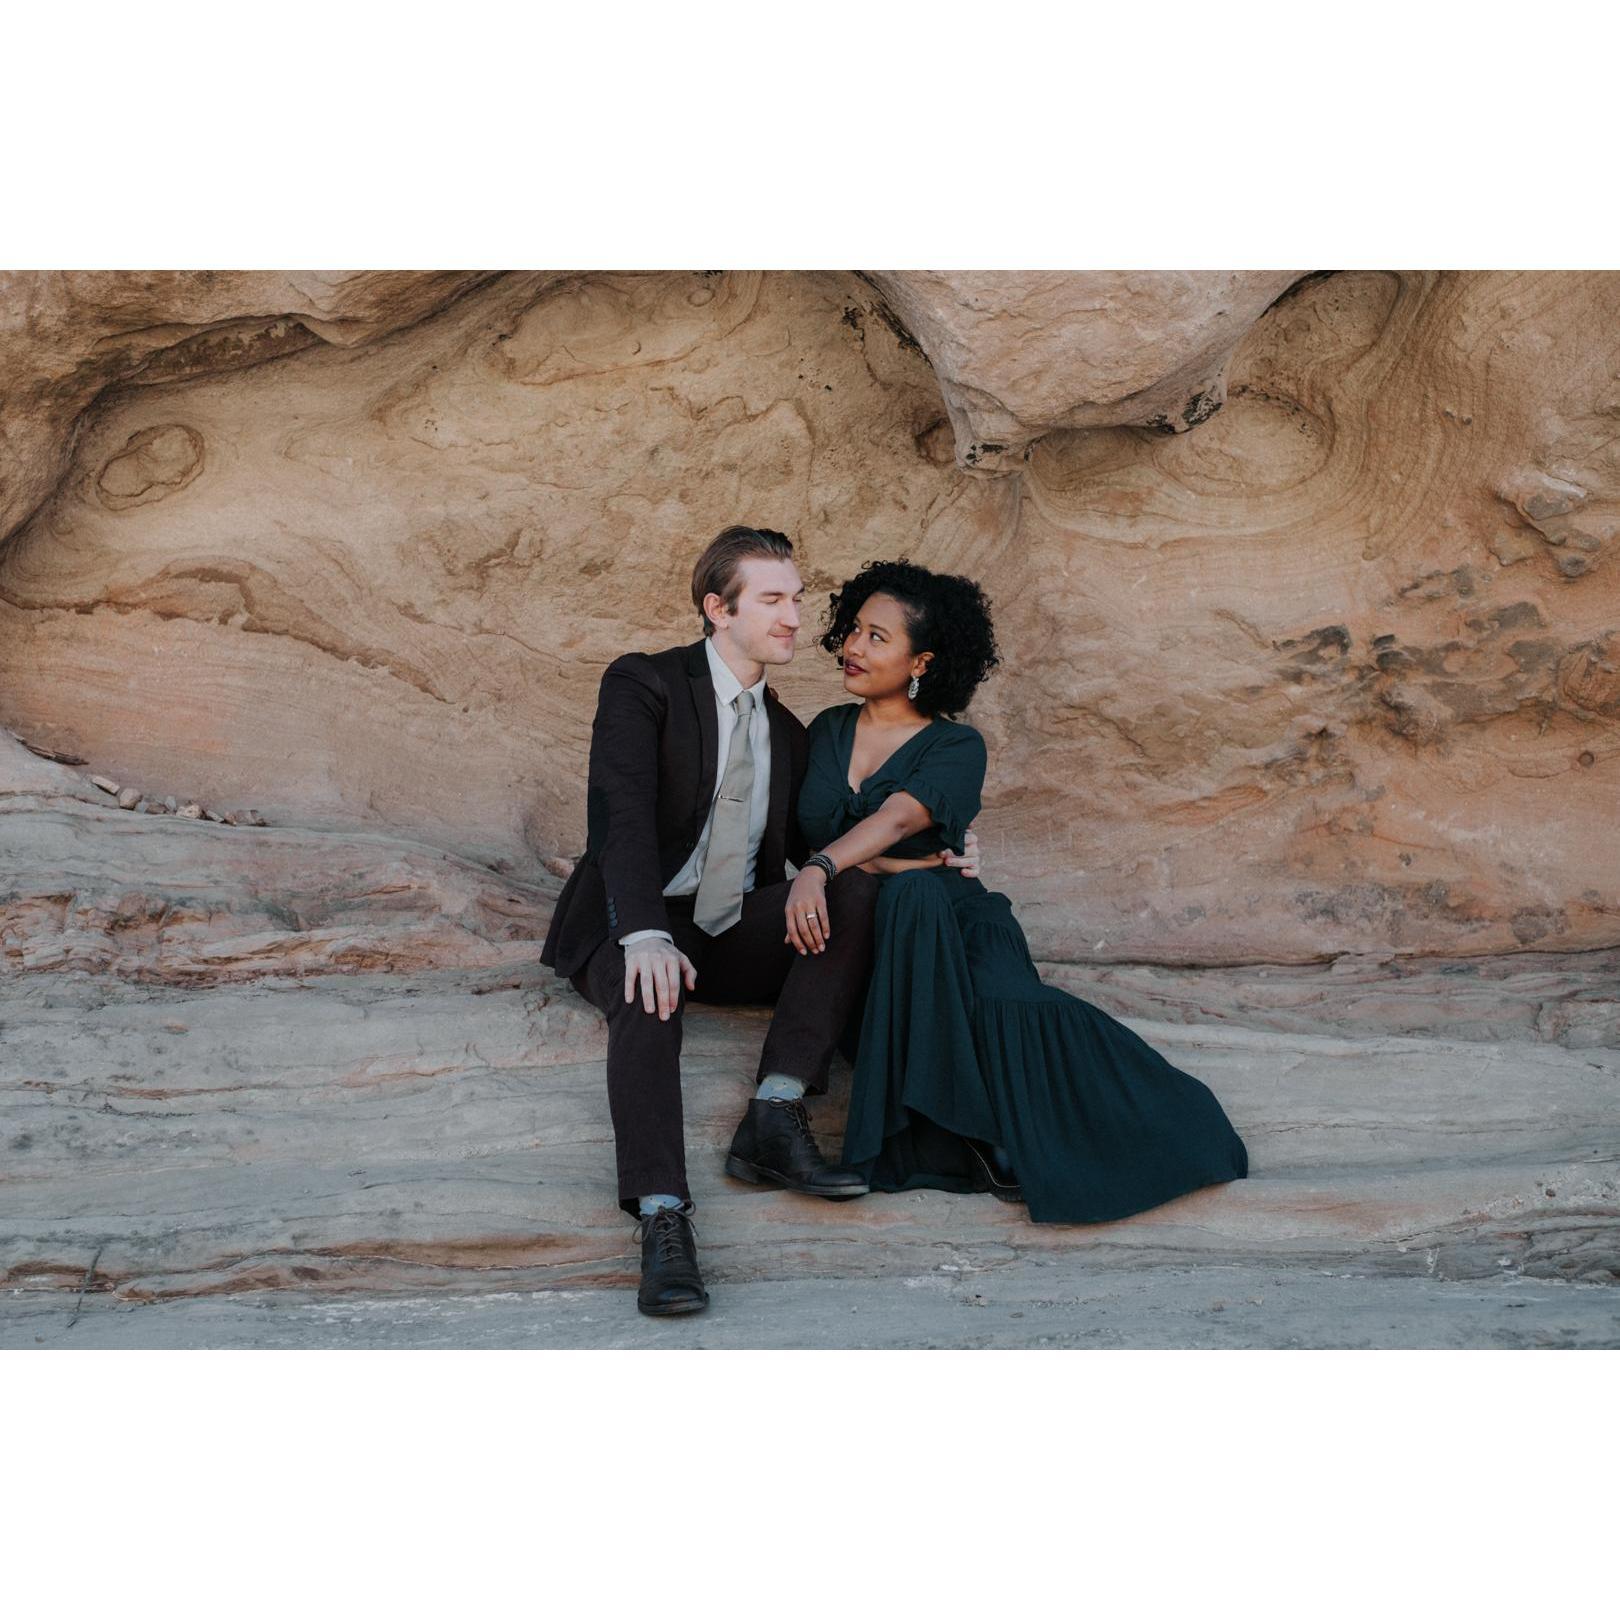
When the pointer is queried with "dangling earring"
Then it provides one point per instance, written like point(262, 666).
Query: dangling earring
point(911, 691)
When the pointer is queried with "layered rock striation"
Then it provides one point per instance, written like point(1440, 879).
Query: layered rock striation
point(1329, 668)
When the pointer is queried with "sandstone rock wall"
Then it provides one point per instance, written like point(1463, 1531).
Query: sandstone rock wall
point(1306, 586)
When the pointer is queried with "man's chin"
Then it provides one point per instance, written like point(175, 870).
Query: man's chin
point(781, 652)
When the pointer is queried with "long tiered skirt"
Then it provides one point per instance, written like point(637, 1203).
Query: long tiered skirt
point(960, 1038)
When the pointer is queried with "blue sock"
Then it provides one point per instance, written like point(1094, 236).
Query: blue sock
point(779, 1087)
point(652, 1201)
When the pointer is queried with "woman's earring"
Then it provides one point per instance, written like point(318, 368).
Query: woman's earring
point(911, 691)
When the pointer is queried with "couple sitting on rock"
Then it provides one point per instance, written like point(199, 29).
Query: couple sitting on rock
point(970, 1074)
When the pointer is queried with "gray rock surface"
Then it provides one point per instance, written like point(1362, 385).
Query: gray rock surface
point(431, 1154)
point(1064, 1305)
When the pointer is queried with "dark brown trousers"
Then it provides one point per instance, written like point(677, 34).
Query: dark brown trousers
point(750, 962)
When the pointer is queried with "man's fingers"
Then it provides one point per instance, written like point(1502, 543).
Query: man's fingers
point(648, 1000)
point(689, 972)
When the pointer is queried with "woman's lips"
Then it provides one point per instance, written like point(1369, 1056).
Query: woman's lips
point(852, 669)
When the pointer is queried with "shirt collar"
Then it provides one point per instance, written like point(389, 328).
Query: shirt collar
point(726, 685)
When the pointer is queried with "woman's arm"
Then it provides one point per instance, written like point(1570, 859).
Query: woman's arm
point(808, 925)
point(967, 863)
point(898, 817)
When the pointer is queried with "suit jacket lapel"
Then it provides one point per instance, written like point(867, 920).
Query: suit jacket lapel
point(773, 845)
point(697, 668)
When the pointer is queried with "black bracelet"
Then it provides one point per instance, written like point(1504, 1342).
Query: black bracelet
point(825, 862)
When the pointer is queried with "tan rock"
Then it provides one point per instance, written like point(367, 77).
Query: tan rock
point(67, 336)
point(395, 613)
point(1271, 690)
point(1019, 353)
point(1275, 667)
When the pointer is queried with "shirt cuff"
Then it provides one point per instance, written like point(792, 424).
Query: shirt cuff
point(647, 933)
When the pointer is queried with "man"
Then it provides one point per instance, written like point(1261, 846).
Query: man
point(691, 810)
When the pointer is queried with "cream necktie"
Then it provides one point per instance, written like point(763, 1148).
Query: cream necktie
point(720, 890)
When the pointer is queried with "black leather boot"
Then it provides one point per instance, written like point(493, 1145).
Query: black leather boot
point(670, 1282)
point(774, 1143)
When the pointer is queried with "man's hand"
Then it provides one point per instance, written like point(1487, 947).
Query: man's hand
point(967, 863)
point(660, 967)
point(809, 925)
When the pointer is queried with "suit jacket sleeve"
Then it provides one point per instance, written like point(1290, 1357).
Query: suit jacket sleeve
point(622, 794)
point(798, 846)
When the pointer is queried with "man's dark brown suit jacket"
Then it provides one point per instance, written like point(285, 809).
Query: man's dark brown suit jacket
point(654, 745)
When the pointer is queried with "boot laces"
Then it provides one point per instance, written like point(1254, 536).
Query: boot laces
point(800, 1115)
point(666, 1233)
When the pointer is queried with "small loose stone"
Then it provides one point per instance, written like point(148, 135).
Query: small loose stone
point(128, 798)
point(171, 804)
point(192, 812)
point(105, 783)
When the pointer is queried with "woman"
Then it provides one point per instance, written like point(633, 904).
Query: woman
point(971, 1075)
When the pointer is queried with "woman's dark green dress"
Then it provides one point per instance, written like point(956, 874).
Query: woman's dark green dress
point(960, 1038)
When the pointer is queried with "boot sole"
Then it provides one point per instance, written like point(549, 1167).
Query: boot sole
point(757, 1173)
point(683, 1307)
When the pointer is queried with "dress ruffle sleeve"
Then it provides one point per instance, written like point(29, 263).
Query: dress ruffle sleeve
point(948, 778)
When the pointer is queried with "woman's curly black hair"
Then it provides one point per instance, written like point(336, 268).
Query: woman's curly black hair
point(946, 615)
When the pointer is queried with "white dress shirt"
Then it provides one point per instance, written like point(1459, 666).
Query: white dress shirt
point(726, 688)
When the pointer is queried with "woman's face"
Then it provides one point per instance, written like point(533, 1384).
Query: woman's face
point(878, 660)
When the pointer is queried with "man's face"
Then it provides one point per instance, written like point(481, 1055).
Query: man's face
point(765, 625)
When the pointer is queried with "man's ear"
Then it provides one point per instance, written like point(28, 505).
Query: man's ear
point(719, 606)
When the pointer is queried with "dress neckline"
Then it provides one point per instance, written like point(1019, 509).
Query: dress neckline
point(849, 748)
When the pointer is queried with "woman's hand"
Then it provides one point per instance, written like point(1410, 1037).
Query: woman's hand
point(809, 926)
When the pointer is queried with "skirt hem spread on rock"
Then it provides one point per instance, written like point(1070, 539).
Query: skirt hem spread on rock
point(961, 1039)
